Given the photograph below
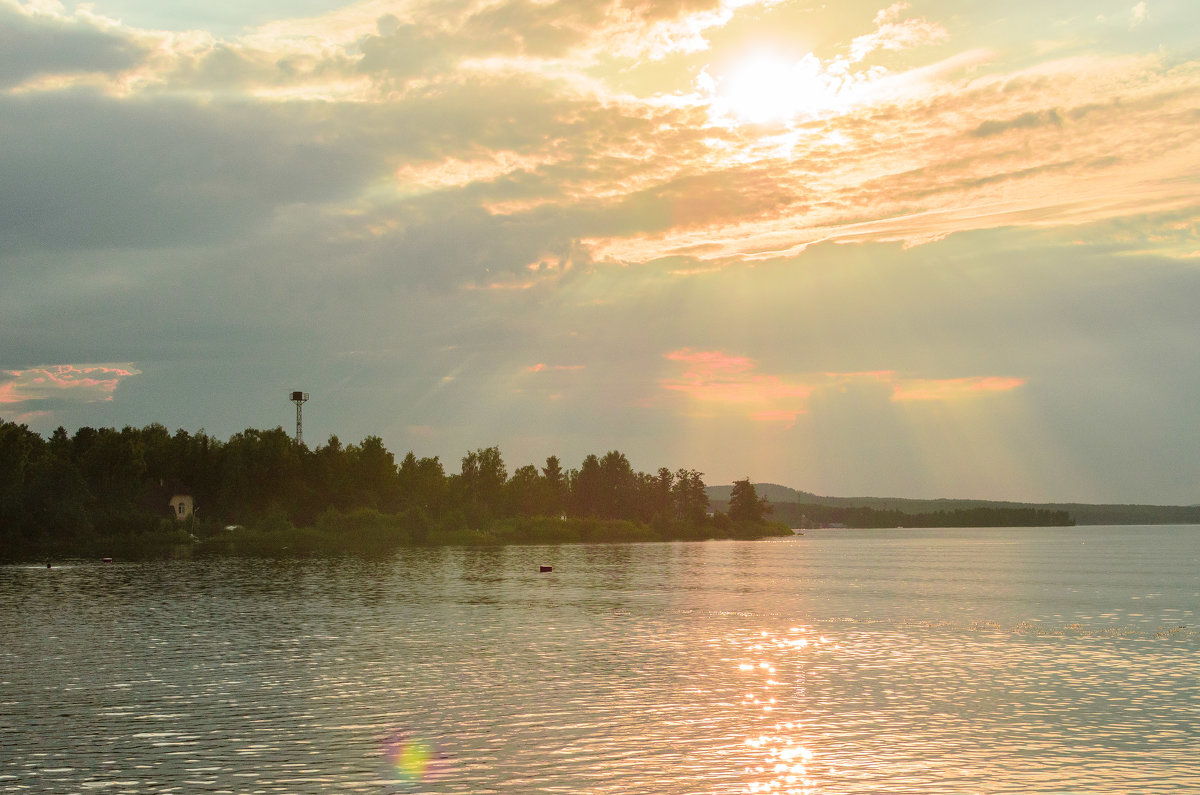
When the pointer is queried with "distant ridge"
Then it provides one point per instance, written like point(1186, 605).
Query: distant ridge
point(1082, 513)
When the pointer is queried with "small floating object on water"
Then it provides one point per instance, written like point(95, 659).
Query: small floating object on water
point(544, 569)
point(106, 560)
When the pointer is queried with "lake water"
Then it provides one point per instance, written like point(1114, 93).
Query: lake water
point(884, 661)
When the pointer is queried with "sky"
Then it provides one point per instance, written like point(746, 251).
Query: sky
point(919, 249)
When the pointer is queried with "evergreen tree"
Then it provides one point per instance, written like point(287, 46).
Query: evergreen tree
point(745, 504)
point(555, 482)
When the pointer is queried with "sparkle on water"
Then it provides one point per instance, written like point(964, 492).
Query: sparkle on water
point(1009, 661)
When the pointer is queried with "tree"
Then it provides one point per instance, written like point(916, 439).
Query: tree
point(482, 483)
point(691, 501)
point(587, 488)
point(58, 496)
point(525, 492)
point(155, 441)
point(422, 482)
point(373, 471)
point(114, 463)
point(258, 469)
point(744, 503)
point(618, 487)
point(555, 482)
point(19, 448)
point(658, 497)
point(330, 481)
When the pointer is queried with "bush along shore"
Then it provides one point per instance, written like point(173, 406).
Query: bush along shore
point(145, 493)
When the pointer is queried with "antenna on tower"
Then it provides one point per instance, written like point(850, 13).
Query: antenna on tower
point(298, 398)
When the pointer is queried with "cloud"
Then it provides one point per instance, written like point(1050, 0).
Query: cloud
point(35, 43)
point(516, 33)
point(122, 173)
point(895, 33)
point(1029, 120)
point(409, 51)
point(952, 388)
point(78, 383)
point(1138, 14)
point(532, 138)
point(720, 380)
point(955, 161)
point(892, 13)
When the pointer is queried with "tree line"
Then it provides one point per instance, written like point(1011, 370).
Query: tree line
point(815, 515)
point(65, 492)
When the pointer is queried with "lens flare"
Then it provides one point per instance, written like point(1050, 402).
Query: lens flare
point(410, 760)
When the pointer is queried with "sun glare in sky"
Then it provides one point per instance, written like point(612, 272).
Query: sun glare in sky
point(765, 88)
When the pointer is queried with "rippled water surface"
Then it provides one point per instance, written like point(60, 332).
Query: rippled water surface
point(950, 661)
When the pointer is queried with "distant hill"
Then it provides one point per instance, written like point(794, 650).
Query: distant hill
point(772, 491)
point(787, 499)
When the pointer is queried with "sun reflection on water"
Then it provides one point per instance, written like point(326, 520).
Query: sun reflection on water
point(784, 761)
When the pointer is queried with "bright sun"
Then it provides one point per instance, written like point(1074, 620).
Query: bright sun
point(766, 89)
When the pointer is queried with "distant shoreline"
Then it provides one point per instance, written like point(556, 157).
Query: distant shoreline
point(785, 500)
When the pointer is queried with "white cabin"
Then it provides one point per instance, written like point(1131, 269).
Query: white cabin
point(182, 506)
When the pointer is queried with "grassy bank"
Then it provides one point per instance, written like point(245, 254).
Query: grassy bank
point(366, 531)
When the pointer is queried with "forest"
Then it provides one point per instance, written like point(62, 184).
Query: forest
point(107, 492)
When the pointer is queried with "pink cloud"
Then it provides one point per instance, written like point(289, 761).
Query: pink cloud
point(85, 383)
point(721, 380)
point(710, 362)
point(8, 394)
point(718, 378)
